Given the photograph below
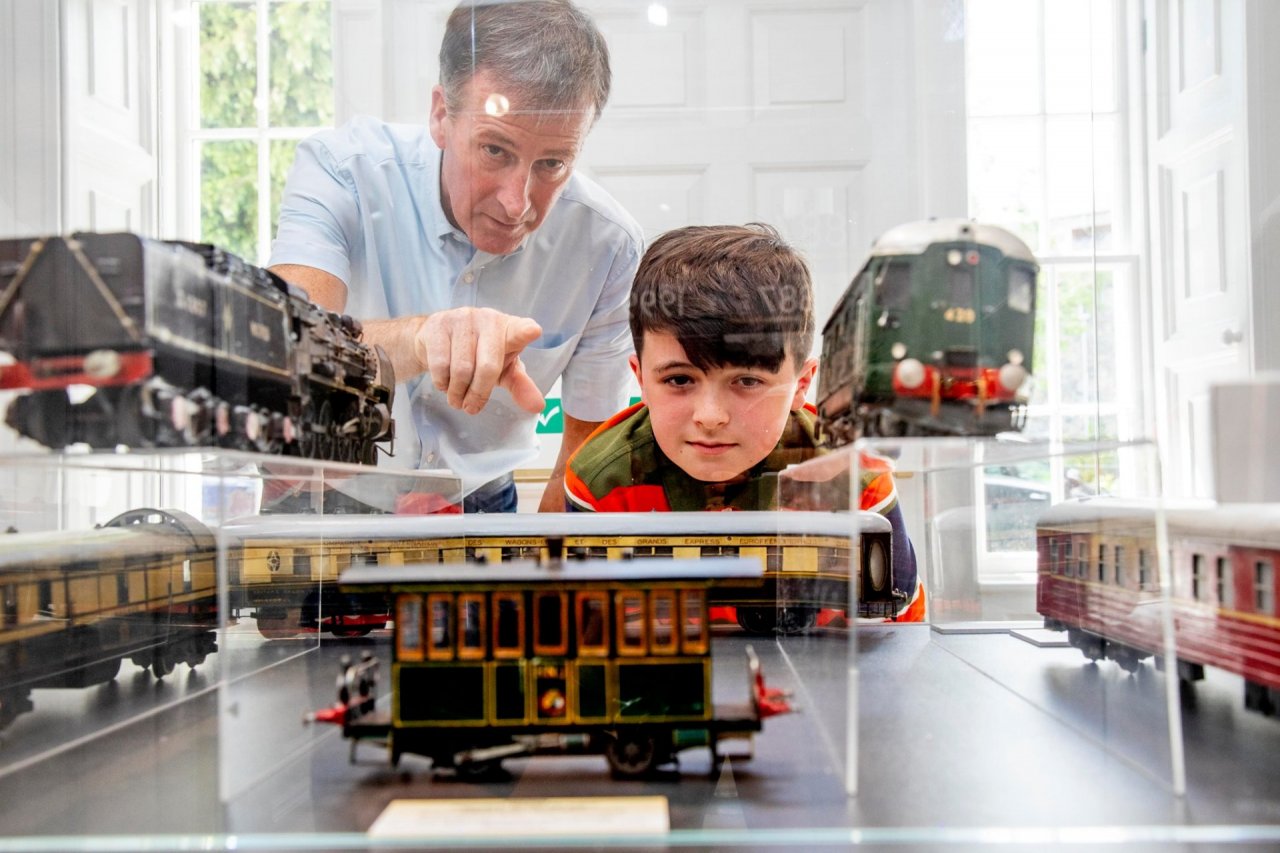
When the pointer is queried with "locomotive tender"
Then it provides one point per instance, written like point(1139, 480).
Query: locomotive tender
point(934, 336)
point(550, 658)
point(181, 344)
point(1098, 580)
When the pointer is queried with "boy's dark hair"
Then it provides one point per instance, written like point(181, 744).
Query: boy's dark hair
point(730, 294)
point(549, 52)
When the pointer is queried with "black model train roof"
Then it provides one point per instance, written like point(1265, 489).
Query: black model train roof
point(567, 572)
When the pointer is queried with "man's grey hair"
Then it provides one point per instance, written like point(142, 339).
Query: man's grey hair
point(549, 52)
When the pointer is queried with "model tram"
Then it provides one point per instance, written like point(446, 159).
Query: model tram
point(934, 336)
point(557, 657)
point(77, 604)
point(287, 565)
point(181, 344)
point(1098, 580)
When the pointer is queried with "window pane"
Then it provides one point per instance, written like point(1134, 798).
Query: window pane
point(228, 64)
point(229, 197)
point(1002, 57)
point(1081, 191)
point(301, 75)
point(1086, 324)
point(1006, 174)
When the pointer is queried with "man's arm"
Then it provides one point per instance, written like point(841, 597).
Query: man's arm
point(468, 351)
point(575, 432)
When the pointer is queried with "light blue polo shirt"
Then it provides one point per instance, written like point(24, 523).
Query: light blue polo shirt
point(362, 202)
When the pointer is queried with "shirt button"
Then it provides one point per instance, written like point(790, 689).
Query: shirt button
point(469, 277)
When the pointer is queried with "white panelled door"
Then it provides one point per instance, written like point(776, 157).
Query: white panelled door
point(795, 114)
point(1197, 127)
point(109, 115)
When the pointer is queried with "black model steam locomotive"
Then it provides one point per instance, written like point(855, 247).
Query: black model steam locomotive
point(933, 337)
point(125, 340)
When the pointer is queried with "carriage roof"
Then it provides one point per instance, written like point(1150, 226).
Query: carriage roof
point(543, 524)
point(560, 572)
point(74, 548)
point(913, 238)
point(1236, 524)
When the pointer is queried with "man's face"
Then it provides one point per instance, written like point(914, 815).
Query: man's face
point(718, 423)
point(503, 169)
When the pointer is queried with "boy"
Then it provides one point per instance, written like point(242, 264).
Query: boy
point(722, 322)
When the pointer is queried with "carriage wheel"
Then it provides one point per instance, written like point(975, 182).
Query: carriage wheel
point(757, 620)
point(161, 664)
point(795, 620)
point(631, 755)
point(279, 623)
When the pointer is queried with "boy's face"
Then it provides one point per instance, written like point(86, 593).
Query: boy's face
point(719, 423)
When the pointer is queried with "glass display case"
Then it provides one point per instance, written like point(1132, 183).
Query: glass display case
point(1046, 632)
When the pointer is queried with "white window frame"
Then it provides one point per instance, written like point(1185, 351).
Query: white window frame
point(183, 104)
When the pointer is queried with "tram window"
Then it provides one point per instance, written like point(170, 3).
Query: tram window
point(652, 551)
point(1082, 562)
point(550, 623)
point(1144, 569)
point(593, 614)
point(1102, 563)
point(521, 552)
point(630, 606)
point(409, 627)
point(364, 559)
point(589, 552)
point(1022, 287)
point(662, 612)
point(773, 558)
point(1264, 590)
point(718, 551)
point(508, 625)
point(1226, 591)
point(302, 565)
point(1053, 555)
point(471, 625)
point(440, 614)
point(693, 619)
point(45, 593)
point(1119, 568)
point(122, 588)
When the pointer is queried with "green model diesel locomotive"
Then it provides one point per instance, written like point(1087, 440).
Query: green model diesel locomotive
point(933, 337)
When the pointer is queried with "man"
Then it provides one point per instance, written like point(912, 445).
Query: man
point(497, 268)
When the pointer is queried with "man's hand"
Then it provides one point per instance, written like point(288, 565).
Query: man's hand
point(470, 351)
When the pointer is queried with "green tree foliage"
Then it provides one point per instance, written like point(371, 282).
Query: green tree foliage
point(300, 95)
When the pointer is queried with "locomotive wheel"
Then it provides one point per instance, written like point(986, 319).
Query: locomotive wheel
point(631, 755)
point(324, 439)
